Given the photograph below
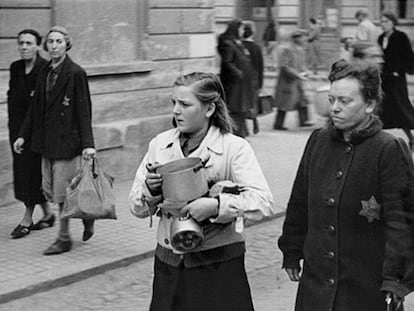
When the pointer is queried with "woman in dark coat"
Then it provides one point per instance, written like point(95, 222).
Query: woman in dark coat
point(235, 75)
point(27, 174)
point(256, 59)
point(347, 217)
point(397, 111)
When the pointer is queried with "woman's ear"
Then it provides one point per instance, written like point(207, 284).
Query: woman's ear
point(211, 108)
point(370, 106)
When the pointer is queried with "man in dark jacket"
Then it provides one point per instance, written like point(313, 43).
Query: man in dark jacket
point(349, 217)
point(59, 125)
point(27, 176)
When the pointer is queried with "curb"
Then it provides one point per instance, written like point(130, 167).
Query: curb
point(87, 273)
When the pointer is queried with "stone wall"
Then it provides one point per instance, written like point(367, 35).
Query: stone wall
point(130, 84)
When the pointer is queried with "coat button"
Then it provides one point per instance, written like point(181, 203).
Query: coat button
point(331, 202)
point(331, 282)
point(348, 149)
point(330, 255)
point(166, 241)
point(331, 229)
point(339, 174)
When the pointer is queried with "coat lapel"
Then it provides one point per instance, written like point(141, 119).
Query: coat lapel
point(61, 80)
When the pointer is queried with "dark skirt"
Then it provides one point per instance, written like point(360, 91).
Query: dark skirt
point(27, 177)
point(220, 286)
point(396, 109)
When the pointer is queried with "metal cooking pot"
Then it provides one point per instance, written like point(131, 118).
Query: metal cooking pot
point(186, 234)
point(183, 179)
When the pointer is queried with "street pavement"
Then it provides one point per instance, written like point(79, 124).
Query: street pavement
point(113, 271)
point(24, 270)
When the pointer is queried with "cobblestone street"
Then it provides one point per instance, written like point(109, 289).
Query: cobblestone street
point(129, 288)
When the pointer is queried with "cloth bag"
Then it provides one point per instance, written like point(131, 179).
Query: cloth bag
point(90, 195)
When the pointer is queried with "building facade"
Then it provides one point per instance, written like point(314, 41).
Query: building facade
point(132, 51)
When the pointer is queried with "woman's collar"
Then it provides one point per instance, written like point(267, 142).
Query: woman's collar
point(373, 126)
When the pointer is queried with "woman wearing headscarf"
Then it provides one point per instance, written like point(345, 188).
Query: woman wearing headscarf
point(397, 110)
point(210, 276)
point(235, 74)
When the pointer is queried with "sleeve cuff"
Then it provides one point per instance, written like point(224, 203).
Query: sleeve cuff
point(395, 287)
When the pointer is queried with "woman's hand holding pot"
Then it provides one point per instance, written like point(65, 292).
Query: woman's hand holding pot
point(202, 208)
point(153, 180)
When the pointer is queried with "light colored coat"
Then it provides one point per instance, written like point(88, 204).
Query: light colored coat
point(289, 90)
point(230, 158)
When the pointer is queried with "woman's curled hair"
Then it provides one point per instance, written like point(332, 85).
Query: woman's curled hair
point(207, 88)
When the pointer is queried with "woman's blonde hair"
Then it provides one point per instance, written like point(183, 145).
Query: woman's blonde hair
point(208, 89)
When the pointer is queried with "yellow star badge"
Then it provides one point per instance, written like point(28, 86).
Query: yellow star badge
point(370, 209)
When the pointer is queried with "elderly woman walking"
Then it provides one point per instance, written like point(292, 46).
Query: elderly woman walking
point(347, 219)
point(59, 125)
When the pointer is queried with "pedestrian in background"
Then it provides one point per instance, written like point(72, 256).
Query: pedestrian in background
point(365, 51)
point(269, 38)
point(27, 176)
point(59, 127)
point(256, 59)
point(212, 276)
point(289, 93)
point(347, 216)
point(313, 47)
point(236, 75)
point(397, 110)
point(366, 30)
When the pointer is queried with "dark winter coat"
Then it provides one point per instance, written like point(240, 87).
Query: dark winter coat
point(27, 175)
point(346, 219)
point(236, 75)
point(256, 60)
point(396, 108)
point(289, 93)
point(61, 128)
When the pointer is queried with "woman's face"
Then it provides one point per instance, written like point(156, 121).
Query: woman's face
point(348, 109)
point(27, 46)
point(190, 115)
point(386, 24)
point(56, 46)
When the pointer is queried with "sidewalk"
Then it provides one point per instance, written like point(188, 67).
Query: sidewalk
point(24, 270)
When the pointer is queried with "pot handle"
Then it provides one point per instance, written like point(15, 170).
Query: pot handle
point(185, 217)
point(201, 165)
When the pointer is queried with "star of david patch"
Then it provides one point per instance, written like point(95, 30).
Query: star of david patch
point(370, 209)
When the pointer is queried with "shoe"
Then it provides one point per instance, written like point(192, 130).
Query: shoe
point(58, 247)
point(280, 128)
point(89, 229)
point(21, 231)
point(44, 223)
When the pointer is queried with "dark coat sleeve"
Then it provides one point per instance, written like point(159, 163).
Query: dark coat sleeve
point(82, 100)
point(295, 226)
point(228, 55)
point(397, 188)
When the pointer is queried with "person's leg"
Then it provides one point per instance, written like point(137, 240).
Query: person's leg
point(279, 120)
point(303, 116)
point(255, 126)
point(48, 218)
point(27, 216)
point(60, 175)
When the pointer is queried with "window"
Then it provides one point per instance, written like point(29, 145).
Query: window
point(400, 7)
